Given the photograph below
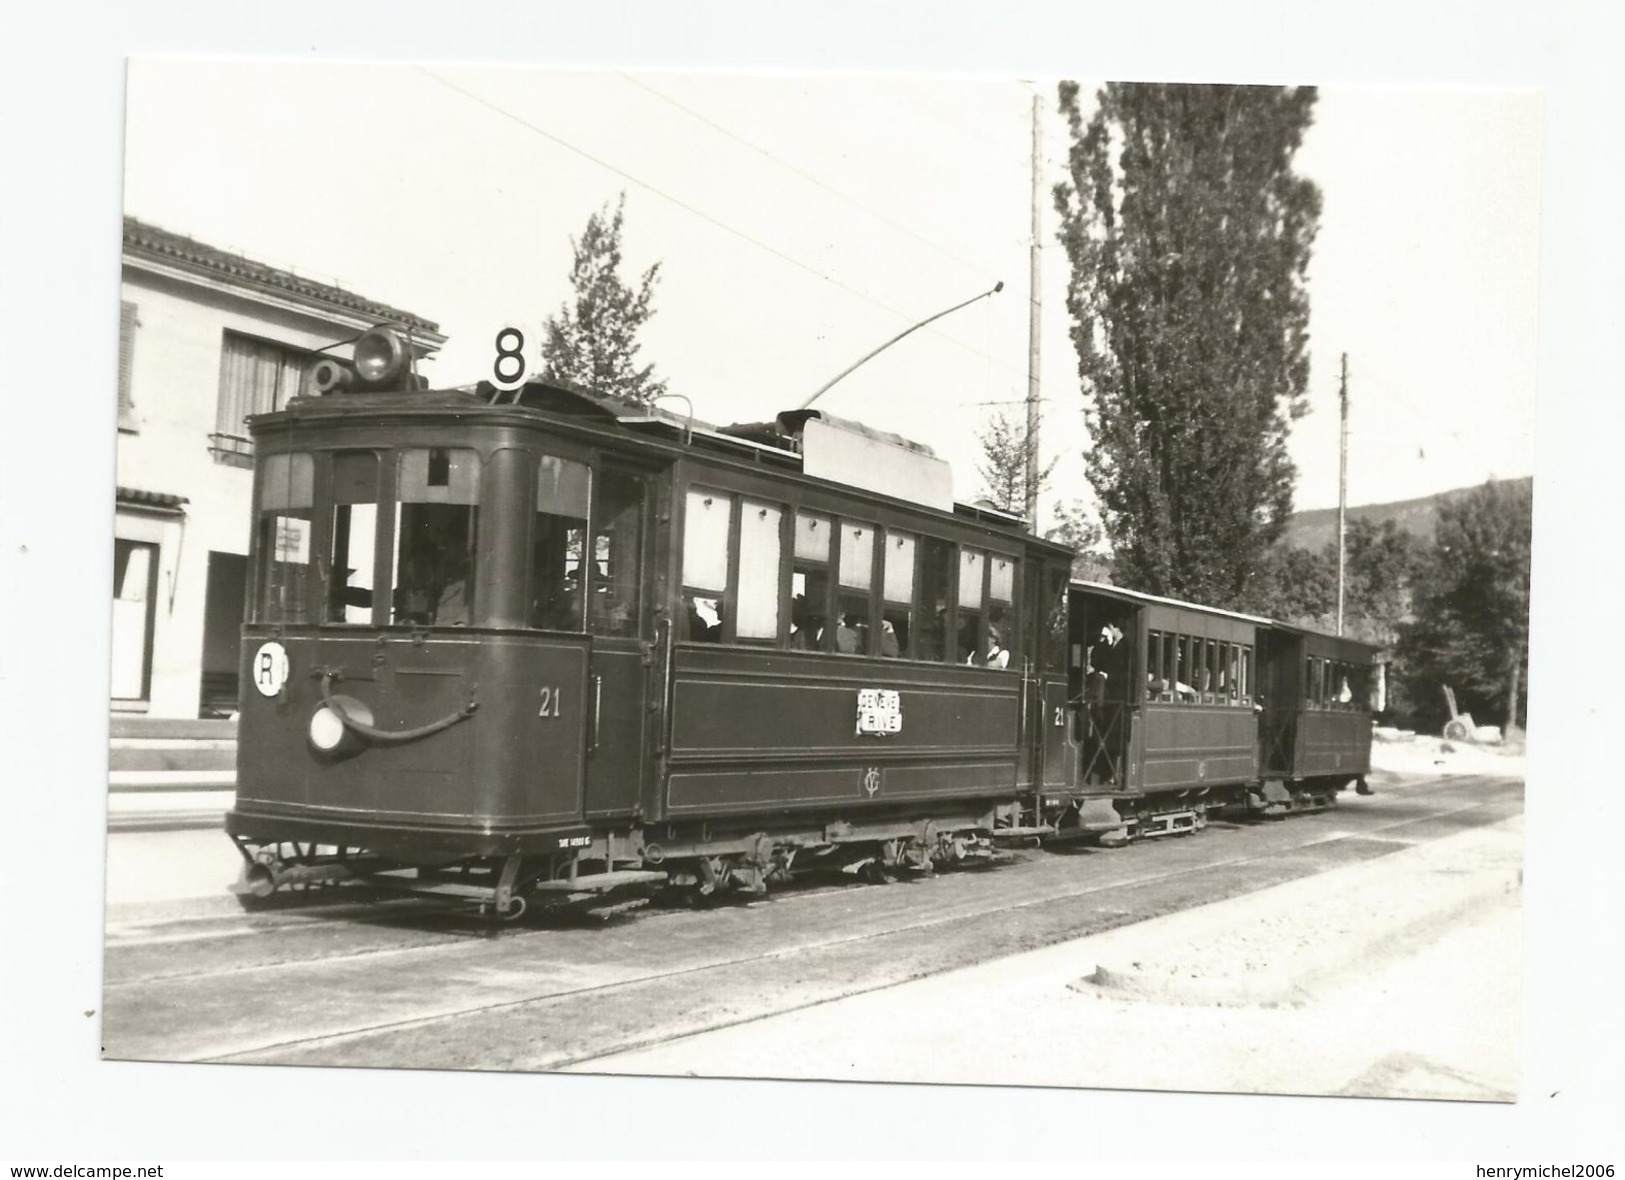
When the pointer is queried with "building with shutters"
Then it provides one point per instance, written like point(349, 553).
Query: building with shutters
point(206, 338)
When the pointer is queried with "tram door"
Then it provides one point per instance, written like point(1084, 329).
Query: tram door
point(1057, 752)
point(618, 619)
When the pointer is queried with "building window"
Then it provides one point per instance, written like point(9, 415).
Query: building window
point(126, 355)
point(256, 377)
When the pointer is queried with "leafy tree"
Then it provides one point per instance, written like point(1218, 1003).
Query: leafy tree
point(592, 341)
point(1003, 466)
point(1381, 569)
point(1075, 529)
point(1189, 235)
point(1297, 586)
point(1471, 629)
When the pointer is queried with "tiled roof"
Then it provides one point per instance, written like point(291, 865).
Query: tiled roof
point(177, 249)
point(161, 500)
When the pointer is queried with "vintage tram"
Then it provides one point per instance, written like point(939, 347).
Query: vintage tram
point(1182, 709)
point(549, 644)
point(544, 645)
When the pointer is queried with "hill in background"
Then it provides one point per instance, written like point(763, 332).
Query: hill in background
point(1317, 528)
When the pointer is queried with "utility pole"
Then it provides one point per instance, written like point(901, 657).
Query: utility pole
point(1034, 315)
point(1342, 487)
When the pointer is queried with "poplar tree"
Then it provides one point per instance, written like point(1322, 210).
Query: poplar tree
point(592, 340)
point(1189, 235)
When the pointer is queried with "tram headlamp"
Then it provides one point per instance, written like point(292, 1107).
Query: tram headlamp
point(381, 360)
point(327, 731)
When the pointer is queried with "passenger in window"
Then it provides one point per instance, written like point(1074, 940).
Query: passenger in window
point(804, 625)
point(998, 656)
point(849, 637)
point(889, 647)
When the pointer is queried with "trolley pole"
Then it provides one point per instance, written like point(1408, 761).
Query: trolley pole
point(1342, 487)
point(1035, 308)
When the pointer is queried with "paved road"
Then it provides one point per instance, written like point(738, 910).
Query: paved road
point(401, 984)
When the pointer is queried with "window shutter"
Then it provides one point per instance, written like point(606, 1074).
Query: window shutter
point(126, 352)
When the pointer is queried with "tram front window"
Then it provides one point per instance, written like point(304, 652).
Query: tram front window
point(438, 513)
point(354, 537)
point(287, 487)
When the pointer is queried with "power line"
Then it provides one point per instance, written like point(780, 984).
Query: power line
point(809, 177)
point(697, 212)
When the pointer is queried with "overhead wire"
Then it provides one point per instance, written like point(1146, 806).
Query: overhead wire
point(521, 121)
point(809, 177)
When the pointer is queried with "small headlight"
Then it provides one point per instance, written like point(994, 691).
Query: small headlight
point(326, 730)
point(381, 359)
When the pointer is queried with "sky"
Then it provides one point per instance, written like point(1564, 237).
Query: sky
point(799, 221)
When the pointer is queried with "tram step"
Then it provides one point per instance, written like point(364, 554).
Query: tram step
point(1039, 830)
point(601, 882)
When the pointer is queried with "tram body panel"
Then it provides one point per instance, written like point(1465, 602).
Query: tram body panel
point(1191, 746)
point(777, 731)
point(515, 762)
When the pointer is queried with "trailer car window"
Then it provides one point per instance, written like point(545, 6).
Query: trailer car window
point(557, 544)
point(438, 506)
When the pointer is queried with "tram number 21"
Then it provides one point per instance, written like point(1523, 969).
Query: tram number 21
point(552, 698)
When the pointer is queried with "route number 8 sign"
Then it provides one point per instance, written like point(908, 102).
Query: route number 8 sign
point(511, 366)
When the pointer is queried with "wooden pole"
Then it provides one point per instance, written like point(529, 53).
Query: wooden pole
point(1342, 488)
point(1034, 316)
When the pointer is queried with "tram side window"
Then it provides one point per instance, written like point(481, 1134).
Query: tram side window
point(287, 501)
point(757, 619)
point(809, 583)
point(1245, 679)
point(557, 543)
point(617, 547)
point(897, 598)
point(932, 624)
point(1210, 669)
point(438, 507)
point(1153, 664)
point(1345, 685)
point(853, 613)
point(1003, 641)
point(1182, 668)
point(707, 522)
point(969, 648)
point(354, 537)
point(1055, 624)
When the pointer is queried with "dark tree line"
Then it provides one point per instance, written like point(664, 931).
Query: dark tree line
point(1453, 611)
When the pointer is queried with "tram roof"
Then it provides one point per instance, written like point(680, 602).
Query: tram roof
point(1139, 596)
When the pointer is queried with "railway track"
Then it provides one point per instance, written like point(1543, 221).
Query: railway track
point(410, 984)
